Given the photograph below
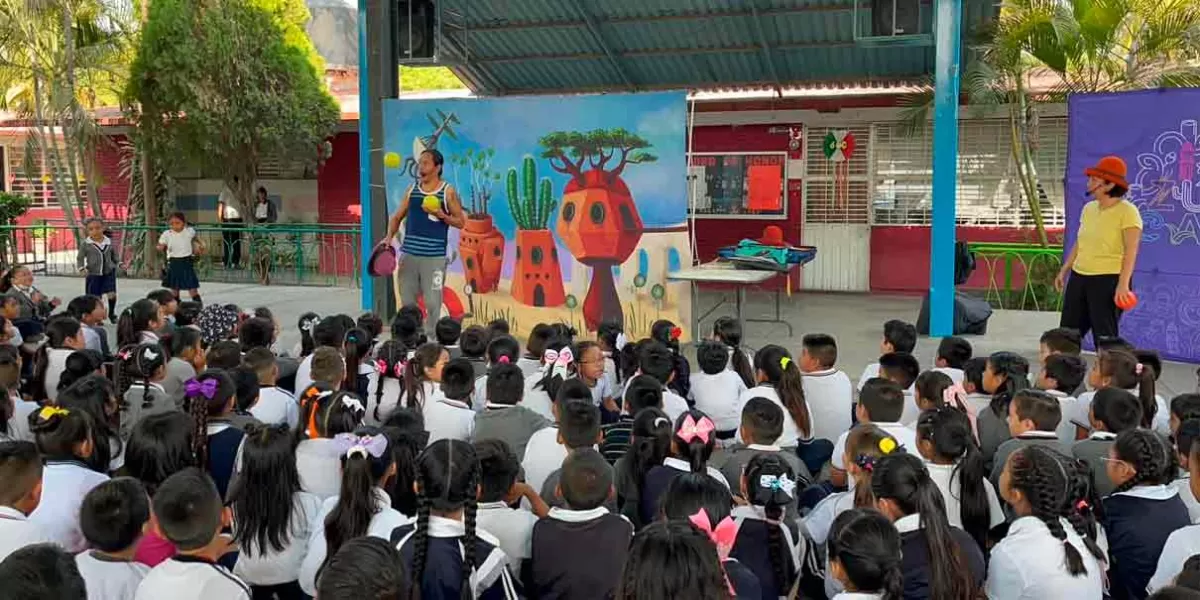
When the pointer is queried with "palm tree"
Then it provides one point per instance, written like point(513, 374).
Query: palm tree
point(1081, 45)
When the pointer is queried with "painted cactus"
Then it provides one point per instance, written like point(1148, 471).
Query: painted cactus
point(531, 201)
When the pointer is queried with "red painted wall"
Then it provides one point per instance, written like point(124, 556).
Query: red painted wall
point(114, 189)
point(337, 191)
point(900, 257)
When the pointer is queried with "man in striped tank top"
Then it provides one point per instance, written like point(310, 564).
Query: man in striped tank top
point(435, 208)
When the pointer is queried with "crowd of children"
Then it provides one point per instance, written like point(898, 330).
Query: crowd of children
point(195, 460)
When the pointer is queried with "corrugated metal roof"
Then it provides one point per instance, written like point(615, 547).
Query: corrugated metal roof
point(550, 46)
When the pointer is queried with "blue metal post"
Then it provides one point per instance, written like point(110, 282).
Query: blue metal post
point(364, 157)
point(947, 26)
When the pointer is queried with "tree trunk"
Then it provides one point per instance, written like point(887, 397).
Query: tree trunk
point(1025, 171)
point(49, 157)
point(150, 206)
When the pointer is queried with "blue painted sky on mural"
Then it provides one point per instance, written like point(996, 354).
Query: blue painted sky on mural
point(512, 127)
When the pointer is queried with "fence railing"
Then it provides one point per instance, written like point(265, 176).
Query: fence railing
point(290, 254)
point(1018, 276)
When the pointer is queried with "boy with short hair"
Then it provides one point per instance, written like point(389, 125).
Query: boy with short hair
point(189, 514)
point(328, 367)
point(21, 472)
point(642, 391)
point(1187, 433)
point(903, 369)
point(1112, 411)
point(898, 336)
point(657, 361)
point(1061, 375)
point(829, 393)
point(715, 388)
point(89, 310)
point(473, 342)
point(503, 418)
point(499, 490)
point(187, 359)
point(41, 572)
point(579, 552)
point(952, 354)
point(881, 403)
point(113, 517)
point(1183, 407)
point(447, 330)
point(275, 406)
point(1033, 418)
point(547, 448)
point(762, 424)
point(1060, 340)
point(168, 308)
point(578, 428)
point(450, 415)
point(224, 355)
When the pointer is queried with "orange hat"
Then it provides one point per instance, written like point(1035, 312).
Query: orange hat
point(1111, 169)
point(772, 235)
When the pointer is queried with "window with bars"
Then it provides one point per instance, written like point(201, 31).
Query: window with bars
point(30, 175)
point(837, 191)
point(989, 191)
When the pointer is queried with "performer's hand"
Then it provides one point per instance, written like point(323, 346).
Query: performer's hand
point(1123, 296)
point(1060, 282)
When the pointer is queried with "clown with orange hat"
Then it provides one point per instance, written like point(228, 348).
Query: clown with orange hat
point(1098, 271)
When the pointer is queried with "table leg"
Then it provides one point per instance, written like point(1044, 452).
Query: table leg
point(695, 311)
point(741, 303)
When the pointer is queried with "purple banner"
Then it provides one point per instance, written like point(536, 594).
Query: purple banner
point(1156, 133)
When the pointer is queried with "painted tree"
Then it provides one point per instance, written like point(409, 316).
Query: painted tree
point(225, 85)
point(575, 153)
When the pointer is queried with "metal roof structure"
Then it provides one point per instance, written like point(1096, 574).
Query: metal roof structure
point(556, 46)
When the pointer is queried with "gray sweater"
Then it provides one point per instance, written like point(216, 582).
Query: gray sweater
point(514, 425)
point(1045, 438)
point(97, 258)
point(141, 401)
point(1093, 451)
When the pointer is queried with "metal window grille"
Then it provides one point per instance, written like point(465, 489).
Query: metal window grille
point(27, 174)
point(837, 192)
point(989, 192)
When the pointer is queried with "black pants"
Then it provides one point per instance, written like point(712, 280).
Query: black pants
point(1088, 305)
point(283, 591)
point(231, 248)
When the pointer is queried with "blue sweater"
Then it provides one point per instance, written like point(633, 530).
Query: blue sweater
point(1138, 523)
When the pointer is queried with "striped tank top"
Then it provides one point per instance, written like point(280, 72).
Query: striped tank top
point(424, 234)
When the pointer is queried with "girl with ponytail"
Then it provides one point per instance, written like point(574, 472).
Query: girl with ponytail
point(362, 506)
point(865, 445)
point(1048, 552)
point(945, 441)
point(146, 364)
point(423, 374)
point(667, 333)
point(445, 554)
point(325, 413)
point(692, 445)
point(779, 381)
point(1143, 510)
point(1005, 375)
point(765, 542)
point(357, 350)
point(1121, 369)
point(728, 331)
point(64, 335)
point(385, 384)
point(308, 321)
point(66, 440)
point(864, 556)
point(649, 446)
point(210, 398)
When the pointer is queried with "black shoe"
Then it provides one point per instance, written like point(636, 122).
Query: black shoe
point(112, 319)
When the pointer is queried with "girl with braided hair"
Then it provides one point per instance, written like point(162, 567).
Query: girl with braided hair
point(938, 561)
point(1048, 552)
point(210, 398)
point(385, 385)
point(765, 542)
point(1143, 509)
point(146, 365)
point(447, 558)
point(362, 506)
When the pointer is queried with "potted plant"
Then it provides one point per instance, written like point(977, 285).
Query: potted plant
point(481, 245)
point(537, 278)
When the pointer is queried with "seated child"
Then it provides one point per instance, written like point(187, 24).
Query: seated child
point(188, 513)
point(1033, 417)
point(590, 370)
point(423, 376)
point(14, 416)
point(66, 441)
point(474, 342)
point(1006, 374)
point(715, 389)
point(578, 552)
point(501, 349)
point(641, 392)
point(880, 403)
point(1061, 374)
point(578, 428)
point(954, 462)
point(447, 331)
point(535, 345)
point(146, 363)
point(762, 424)
point(546, 450)
point(42, 571)
point(89, 310)
point(359, 368)
point(364, 569)
point(1113, 411)
point(187, 359)
point(828, 391)
point(1059, 341)
point(328, 367)
point(707, 504)
point(952, 355)
point(1183, 407)
point(658, 361)
point(21, 472)
point(780, 381)
point(691, 446)
point(113, 516)
point(451, 415)
point(211, 400)
point(373, 325)
point(903, 369)
point(504, 418)
point(766, 542)
point(673, 559)
point(977, 398)
point(1182, 544)
point(324, 414)
point(275, 406)
point(224, 355)
point(499, 490)
point(864, 555)
point(1120, 369)
point(898, 336)
point(1187, 433)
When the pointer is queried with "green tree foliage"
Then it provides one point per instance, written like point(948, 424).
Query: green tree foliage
point(420, 79)
point(573, 152)
point(224, 84)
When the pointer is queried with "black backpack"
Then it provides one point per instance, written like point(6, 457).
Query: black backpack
point(964, 262)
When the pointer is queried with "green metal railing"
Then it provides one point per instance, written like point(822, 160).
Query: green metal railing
point(289, 254)
point(1019, 276)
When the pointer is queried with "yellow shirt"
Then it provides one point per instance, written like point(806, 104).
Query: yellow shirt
point(1101, 243)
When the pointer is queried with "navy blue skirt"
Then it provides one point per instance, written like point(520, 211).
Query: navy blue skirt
point(181, 274)
point(99, 285)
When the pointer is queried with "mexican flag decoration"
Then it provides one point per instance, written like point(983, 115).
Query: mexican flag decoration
point(838, 145)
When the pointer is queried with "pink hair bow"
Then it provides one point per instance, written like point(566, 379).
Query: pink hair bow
point(503, 360)
point(955, 396)
point(723, 535)
point(1138, 369)
point(381, 365)
point(400, 367)
point(692, 429)
point(353, 446)
point(562, 361)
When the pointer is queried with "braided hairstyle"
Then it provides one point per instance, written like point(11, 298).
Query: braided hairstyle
point(145, 363)
point(1149, 455)
point(1013, 371)
point(761, 483)
point(1048, 480)
point(1084, 508)
point(202, 408)
point(447, 479)
point(867, 546)
point(948, 431)
point(390, 362)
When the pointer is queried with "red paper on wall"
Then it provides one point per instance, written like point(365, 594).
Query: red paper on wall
point(766, 183)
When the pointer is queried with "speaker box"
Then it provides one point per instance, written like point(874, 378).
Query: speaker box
point(895, 17)
point(416, 24)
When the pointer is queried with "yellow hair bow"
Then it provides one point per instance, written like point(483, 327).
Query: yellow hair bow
point(887, 445)
point(50, 412)
point(784, 362)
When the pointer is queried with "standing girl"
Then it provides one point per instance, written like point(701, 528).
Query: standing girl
point(945, 441)
point(324, 414)
point(361, 508)
point(146, 364)
point(181, 245)
point(765, 543)
point(385, 385)
point(668, 334)
point(64, 335)
point(691, 447)
point(272, 517)
point(138, 323)
point(1005, 375)
point(779, 381)
point(66, 441)
point(864, 556)
point(728, 331)
point(97, 259)
point(649, 446)
point(210, 399)
point(445, 554)
point(423, 374)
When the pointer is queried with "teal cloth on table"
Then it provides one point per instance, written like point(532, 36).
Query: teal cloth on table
point(753, 249)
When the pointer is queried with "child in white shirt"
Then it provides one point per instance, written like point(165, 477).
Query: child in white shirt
point(21, 471)
point(1186, 435)
point(880, 403)
point(903, 369)
point(1182, 543)
point(502, 349)
point(324, 414)
point(275, 406)
point(898, 336)
point(451, 415)
point(1061, 374)
point(385, 385)
point(590, 362)
point(113, 517)
point(715, 389)
point(780, 381)
point(828, 391)
point(14, 415)
point(952, 355)
point(65, 439)
point(498, 492)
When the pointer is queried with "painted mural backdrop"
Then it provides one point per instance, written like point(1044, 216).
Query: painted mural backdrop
point(1156, 132)
point(576, 205)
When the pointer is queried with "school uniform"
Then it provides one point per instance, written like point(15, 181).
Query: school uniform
point(269, 570)
point(955, 375)
point(224, 446)
point(543, 456)
point(1138, 523)
point(382, 524)
point(977, 403)
point(191, 578)
point(529, 365)
point(578, 554)
point(674, 404)
point(870, 372)
point(18, 424)
point(276, 407)
point(109, 578)
point(513, 527)
point(1040, 438)
point(914, 563)
point(143, 400)
point(830, 397)
point(616, 437)
point(379, 405)
point(947, 479)
point(1181, 545)
point(792, 436)
point(479, 400)
point(992, 430)
point(181, 269)
point(549, 493)
point(514, 425)
point(320, 465)
point(479, 366)
point(752, 548)
point(178, 373)
point(1093, 451)
point(1065, 429)
point(1030, 564)
point(602, 390)
point(819, 520)
point(657, 480)
point(1161, 424)
point(26, 307)
point(717, 396)
point(56, 363)
point(732, 461)
point(454, 351)
point(64, 484)
point(537, 400)
point(303, 375)
point(449, 419)
point(905, 436)
point(98, 261)
point(1183, 485)
point(744, 582)
point(442, 578)
point(17, 531)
